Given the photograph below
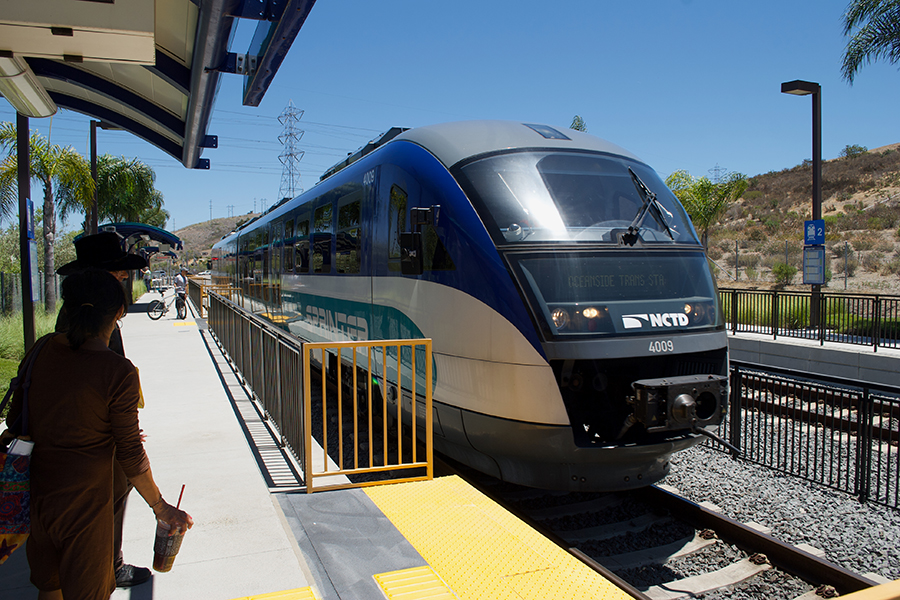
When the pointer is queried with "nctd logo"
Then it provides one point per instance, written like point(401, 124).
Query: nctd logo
point(655, 320)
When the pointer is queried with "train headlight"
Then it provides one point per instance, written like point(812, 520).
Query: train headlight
point(560, 318)
point(590, 313)
point(701, 313)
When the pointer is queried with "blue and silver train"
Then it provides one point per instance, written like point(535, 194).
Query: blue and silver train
point(577, 337)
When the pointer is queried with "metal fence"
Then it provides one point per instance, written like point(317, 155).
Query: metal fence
point(354, 383)
point(11, 291)
point(865, 320)
point(838, 433)
point(199, 288)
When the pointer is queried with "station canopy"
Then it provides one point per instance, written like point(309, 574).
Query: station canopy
point(134, 233)
point(150, 67)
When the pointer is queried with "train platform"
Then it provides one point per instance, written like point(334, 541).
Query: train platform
point(257, 535)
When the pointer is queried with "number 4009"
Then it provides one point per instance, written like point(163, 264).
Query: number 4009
point(662, 346)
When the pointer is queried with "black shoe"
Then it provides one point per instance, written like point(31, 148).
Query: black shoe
point(130, 575)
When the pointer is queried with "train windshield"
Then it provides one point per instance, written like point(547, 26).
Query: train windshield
point(571, 196)
point(621, 292)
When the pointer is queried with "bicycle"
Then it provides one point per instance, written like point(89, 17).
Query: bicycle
point(158, 308)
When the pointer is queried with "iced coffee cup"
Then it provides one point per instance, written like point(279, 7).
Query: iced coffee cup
point(165, 547)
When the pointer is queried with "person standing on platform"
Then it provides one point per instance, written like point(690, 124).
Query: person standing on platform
point(104, 251)
point(148, 278)
point(83, 419)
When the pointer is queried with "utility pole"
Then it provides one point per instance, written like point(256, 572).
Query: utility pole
point(210, 209)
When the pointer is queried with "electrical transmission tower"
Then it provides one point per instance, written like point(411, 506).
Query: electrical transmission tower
point(291, 155)
point(717, 172)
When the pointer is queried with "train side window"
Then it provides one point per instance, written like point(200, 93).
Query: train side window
point(436, 257)
point(323, 224)
point(277, 246)
point(396, 225)
point(301, 245)
point(289, 242)
point(348, 238)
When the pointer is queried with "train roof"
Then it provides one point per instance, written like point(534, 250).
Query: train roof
point(459, 140)
point(456, 141)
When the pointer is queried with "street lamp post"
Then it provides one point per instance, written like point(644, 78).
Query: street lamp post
point(805, 88)
point(93, 218)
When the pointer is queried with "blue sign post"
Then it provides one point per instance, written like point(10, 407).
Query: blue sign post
point(814, 233)
point(814, 252)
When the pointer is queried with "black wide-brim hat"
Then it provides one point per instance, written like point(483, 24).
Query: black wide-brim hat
point(103, 251)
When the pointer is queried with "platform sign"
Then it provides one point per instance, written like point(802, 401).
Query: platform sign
point(814, 233)
point(29, 219)
point(814, 265)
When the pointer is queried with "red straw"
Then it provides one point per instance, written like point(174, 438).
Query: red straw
point(179, 497)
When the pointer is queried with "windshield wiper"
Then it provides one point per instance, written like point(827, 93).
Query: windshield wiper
point(650, 204)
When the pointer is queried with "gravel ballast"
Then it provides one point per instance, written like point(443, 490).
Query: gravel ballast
point(862, 537)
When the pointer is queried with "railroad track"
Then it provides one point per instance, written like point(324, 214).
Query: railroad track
point(657, 545)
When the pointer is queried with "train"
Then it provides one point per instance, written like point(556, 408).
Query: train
point(577, 337)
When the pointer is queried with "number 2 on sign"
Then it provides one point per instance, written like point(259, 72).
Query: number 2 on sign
point(662, 346)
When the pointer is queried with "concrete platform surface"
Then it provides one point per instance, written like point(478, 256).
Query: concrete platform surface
point(240, 545)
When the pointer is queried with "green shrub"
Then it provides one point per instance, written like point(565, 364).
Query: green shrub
point(871, 261)
point(891, 268)
point(863, 243)
point(746, 259)
point(853, 150)
point(852, 265)
point(757, 234)
point(784, 274)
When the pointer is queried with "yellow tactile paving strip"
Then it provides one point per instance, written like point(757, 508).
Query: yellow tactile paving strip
point(297, 594)
point(480, 550)
point(414, 584)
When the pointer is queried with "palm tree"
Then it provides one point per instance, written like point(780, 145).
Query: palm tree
point(125, 191)
point(704, 200)
point(874, 30)
point(55, 167)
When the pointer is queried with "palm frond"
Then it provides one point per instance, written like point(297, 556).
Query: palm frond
point(877, 35)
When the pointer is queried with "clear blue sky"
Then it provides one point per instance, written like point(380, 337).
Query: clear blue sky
point(684, 84)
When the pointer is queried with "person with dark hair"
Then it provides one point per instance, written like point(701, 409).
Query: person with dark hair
point(104, 250)
point(83, 419)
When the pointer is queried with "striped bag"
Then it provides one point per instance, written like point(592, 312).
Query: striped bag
point(15, 482)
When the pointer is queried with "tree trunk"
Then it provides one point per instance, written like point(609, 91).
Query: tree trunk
point(49, 219)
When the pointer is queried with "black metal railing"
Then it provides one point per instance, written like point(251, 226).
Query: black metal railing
point(865, 320)
point(269, 360)
point(348, 410)
point(839, 433)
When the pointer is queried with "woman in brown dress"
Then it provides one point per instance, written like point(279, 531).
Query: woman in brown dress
point(83, 416)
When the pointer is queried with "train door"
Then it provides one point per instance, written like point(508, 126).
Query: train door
point(276, 262)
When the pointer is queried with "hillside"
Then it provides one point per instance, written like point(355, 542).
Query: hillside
point(199, 238)
point(861, 209)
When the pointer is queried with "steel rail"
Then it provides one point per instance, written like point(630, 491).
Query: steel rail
point(786, 557)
